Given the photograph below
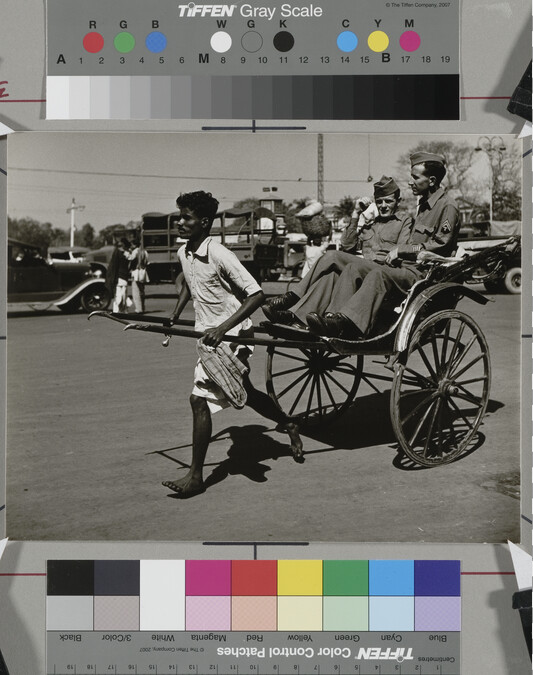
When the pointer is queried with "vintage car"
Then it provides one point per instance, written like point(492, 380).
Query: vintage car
point(65, 254)
point(69, 285)
point(503, 276)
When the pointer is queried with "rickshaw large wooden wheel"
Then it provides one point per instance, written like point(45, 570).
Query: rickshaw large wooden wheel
point(441, 389)
point(313, 386)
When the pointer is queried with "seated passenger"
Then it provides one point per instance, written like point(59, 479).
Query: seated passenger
point(375, 241)
point(364, 214)
point(360, 291)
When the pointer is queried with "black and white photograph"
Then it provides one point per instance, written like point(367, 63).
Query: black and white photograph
point(269, 337)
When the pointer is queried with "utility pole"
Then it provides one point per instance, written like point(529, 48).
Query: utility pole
point(493, 146)
point(72, 210)
point(320, 169)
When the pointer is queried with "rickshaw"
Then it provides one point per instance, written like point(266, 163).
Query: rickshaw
point(436, 356)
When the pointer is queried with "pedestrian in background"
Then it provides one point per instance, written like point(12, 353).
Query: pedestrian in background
point(118, 274)
point(138, 258)
point(314, 249)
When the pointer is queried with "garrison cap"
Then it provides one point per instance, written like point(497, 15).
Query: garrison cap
point(420, 157)
point(385, 186)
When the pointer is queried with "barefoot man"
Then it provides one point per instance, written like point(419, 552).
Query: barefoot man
point(224, 295)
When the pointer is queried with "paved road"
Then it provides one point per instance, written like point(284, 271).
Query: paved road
point(98, 417)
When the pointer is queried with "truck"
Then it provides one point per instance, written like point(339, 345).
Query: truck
point(250, 233)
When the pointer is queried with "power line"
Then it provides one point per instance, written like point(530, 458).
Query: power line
point(166, 177)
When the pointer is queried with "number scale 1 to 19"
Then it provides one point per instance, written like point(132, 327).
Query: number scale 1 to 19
point(185, 653)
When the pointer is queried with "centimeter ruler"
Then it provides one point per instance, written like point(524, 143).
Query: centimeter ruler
point(176, 653)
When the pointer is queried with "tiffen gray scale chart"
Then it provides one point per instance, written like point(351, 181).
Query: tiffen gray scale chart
point(330, 60)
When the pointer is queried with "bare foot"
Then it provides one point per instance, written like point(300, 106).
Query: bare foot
point(185, 487)
point(293, 430)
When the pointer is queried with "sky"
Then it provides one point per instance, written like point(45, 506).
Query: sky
point(120, 176)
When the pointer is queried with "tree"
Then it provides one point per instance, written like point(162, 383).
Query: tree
point(344, 208)
point(459, 160)
point(250, 203)
point(86, 236)
point(59, 237)
point(506, 168)
point(293, 223)
point(33, 232)
point(463, 179)
point(107, 235)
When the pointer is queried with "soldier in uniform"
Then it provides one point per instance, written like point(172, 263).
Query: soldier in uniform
point(375, 241)
point(359, 292)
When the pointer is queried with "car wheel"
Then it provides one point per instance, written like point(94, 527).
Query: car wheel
point(513, 280)
point(95, 298)
point(493, 285)
point(71, 306)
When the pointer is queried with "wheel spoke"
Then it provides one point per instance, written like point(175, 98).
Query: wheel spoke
point(315, 386)
point(417, 407)
point(483, 378)
point(297, 399)
point(310, 399)
point(370, 384)
point(436, 410)
point(471, 398)
point(291, 356)
point(451, 427)
point(417, 392)
point(383, 378)
point(439, 426)
point(337, 383)
point(468, 366)
point(326, 385)
point(467, 421)
point(457, 341)
point(291, 370)
point(418, 377)
point(461, 356)
point(425, 359)
point(318, 395)
point(420, 425)
point(445, 340)
point(435, 349)
point(293, 384)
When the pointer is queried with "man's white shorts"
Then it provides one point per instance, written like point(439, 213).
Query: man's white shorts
point(204, 387)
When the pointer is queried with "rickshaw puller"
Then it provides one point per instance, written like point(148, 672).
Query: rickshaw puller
point(225, 295)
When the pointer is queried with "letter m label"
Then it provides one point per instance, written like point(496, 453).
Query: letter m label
point(203, 58)
point(409, 23)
